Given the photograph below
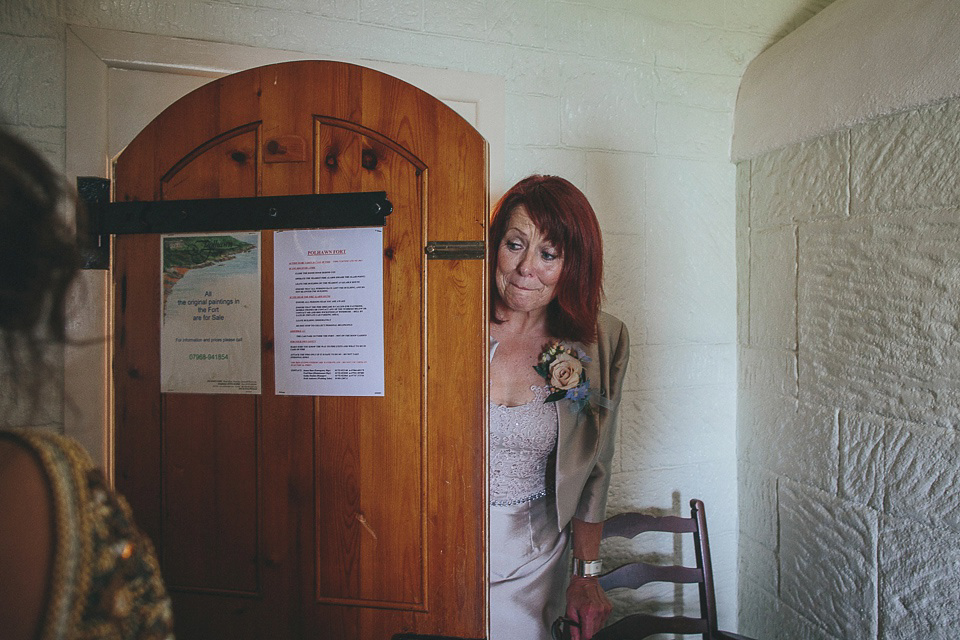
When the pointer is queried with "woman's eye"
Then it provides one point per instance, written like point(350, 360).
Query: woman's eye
point(513, 245)
point(546, 255)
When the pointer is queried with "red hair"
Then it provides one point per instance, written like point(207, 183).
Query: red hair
point(561, 212)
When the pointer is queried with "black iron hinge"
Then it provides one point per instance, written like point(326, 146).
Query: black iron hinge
point(312, 211)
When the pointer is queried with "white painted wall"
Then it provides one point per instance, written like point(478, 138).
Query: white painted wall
point(814, 82)
point(632, 100)
point(849, 273)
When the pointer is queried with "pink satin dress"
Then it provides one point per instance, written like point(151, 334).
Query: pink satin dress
point(528, 552)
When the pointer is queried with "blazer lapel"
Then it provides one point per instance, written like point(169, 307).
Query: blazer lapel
point(569, 418)
point(577, 436)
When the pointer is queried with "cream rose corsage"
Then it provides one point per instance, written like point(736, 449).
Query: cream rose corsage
point(562, 367)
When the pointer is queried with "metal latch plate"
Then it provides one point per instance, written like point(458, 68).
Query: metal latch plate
point(456, 250)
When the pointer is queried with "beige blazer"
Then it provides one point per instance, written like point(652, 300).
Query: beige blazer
point(586, 439)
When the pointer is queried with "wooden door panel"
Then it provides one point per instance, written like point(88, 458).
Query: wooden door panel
point(328, 517)
point(202, 451)
point(210, 494)
point(209, 459)
point(136, 375)
point(370, 476)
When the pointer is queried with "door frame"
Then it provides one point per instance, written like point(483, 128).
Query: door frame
point(90, 55)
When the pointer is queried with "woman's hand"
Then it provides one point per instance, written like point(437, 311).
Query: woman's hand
point(588, 605)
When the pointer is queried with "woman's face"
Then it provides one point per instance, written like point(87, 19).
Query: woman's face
point(528, 265)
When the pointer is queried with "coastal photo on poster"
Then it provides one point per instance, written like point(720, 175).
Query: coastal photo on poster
point(328, 312)
point(210, 328)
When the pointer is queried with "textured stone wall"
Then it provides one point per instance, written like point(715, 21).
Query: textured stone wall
point(849, 333)
point(632, 100)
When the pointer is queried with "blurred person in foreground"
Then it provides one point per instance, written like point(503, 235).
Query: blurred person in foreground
point(73, 564)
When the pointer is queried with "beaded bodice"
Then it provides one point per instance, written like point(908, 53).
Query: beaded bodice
point(521, 441)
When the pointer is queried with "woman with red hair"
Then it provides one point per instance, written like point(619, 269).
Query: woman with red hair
point(556, 372)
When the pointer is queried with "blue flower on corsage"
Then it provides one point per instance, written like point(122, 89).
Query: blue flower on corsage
point(562, 367)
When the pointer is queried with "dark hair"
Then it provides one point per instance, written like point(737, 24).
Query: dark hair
point(39, 258)
point(561, 212)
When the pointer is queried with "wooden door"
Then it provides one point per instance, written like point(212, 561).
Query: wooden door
point(316, 517)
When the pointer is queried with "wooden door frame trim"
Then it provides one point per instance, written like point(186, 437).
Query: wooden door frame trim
point(90, 54)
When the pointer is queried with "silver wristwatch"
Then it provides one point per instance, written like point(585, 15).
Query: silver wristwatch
point(587, 569)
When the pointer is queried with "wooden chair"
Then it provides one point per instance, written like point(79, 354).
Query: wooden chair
point(637, 574)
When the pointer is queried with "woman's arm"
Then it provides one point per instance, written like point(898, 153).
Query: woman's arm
point(586, 601)
point(26, 529)
point(613, 359)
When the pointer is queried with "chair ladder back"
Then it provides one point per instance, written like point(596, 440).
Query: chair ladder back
point(630, 525)
point(637, 574)
point(634, 575)
point(641, 625)
point(708, 600)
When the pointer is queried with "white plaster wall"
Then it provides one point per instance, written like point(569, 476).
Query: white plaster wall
point(849, 368)
point(817, 81)
point(630, 99)
point(849, 325)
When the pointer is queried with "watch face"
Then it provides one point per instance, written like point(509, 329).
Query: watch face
point(586, 569)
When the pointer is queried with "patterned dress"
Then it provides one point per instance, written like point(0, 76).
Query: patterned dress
point(105, 580)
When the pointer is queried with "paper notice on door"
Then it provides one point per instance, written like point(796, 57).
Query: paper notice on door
point(210, 325)
point(328, 312)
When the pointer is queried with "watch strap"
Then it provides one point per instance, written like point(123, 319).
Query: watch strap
point(587, 568)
